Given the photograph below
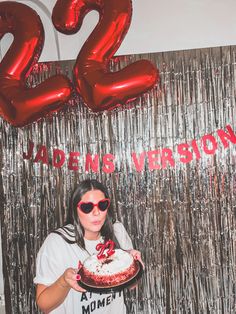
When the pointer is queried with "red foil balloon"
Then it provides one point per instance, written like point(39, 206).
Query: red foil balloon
point(100, 88)
point(20, 105)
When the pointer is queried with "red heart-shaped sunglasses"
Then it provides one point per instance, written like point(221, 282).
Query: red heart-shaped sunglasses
point(87, 207)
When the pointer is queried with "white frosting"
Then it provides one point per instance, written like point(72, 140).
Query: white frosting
point(120, 261)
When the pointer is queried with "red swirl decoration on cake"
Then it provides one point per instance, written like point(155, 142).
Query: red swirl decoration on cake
point(107, 245)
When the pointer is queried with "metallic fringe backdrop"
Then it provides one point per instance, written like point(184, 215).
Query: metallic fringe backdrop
point(181, 217)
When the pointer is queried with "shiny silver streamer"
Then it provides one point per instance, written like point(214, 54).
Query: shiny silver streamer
point(181, 218)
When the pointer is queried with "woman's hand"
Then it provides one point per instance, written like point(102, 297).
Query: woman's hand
point(69, 279)
point(137, 255)
point(50, 297)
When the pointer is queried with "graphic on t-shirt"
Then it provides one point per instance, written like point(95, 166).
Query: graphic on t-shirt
point(89, 306)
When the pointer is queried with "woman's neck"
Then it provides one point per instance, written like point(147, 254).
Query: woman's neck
point(92, 235)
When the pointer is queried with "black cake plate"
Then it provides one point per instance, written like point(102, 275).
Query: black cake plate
point(127, 284)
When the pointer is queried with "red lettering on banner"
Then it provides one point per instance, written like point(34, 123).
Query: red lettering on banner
point(195, 149)
point(229, 136)
point(30, 151)
point(42, 155)
point(183, 151)
point(108, 164)
point(73, 163)
point(92, 163)
point(167, 157)
point(212, 140)
point(153, 158)
point(58, 158)
point(156, 159)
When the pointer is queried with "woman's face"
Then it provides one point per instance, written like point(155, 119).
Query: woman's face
point(93, 221)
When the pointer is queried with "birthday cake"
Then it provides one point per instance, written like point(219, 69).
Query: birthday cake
point(109, 271)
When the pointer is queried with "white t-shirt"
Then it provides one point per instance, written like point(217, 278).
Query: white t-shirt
point(56, 255)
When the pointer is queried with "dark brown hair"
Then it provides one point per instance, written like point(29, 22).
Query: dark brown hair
point(72, 216)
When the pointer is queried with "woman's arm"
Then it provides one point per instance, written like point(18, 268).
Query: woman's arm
point(50, 297)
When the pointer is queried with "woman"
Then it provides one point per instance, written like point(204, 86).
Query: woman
point(88, 223)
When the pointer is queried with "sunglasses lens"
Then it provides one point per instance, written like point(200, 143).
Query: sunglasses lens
point(86, 207)
point(103, 205)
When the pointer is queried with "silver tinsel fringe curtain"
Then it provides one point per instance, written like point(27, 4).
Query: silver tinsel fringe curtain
point(181, 216)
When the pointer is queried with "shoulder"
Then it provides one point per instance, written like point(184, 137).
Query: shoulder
point(118, 227)
point(56, 240)
point(122, 236)
point(67, 233)
point(52, 241)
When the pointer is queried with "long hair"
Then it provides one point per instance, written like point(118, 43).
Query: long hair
point(72, 216)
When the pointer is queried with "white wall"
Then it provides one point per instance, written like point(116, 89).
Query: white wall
point(157, 25)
